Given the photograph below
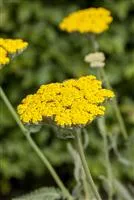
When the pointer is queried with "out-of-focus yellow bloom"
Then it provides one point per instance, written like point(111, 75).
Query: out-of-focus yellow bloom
point(3, 57)
point(10, 47)
point(13, 46)
point(91, 20)
point(74, 102)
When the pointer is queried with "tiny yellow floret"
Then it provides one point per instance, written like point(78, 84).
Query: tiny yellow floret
point(75, 102)
point(90, 20)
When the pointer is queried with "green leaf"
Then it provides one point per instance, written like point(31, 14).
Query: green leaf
point(33, 128)
point(42, 194)
point(64, 133)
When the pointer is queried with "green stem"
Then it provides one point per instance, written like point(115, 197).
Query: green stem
point(34, 146)
point(77, 165)
point(84, 179)
point(12, 111)
point(102, 128)
point(85, 185)
point(85, 165)
point(49, 166)
point(115, 105)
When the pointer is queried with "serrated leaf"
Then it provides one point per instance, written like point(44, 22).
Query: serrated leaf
point(42, 194)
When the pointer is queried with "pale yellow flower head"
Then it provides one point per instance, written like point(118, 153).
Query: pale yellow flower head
point(74, 102)
point(96, 60)
point(9, 47)
point(90, 20)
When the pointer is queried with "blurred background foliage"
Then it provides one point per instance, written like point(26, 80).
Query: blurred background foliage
point(53, 56)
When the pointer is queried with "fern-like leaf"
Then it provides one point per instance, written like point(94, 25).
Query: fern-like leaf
point(47, 193)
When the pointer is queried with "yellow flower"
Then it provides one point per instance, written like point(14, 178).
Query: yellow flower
point(10, 47)
point(74, 102)
point(13, 46)
point(3, 57)
point(90, 20)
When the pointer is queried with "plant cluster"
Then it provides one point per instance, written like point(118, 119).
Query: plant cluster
point(68, 107)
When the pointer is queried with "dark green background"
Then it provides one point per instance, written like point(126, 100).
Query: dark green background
point(53, 56)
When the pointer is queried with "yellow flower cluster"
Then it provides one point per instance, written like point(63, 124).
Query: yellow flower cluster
point(75, 102)
point(3, 57)
point(9, 47)
point(91, 20)
point(13, 45)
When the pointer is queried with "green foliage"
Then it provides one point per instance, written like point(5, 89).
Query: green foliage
point(53, 56)
point(122, 191)
point(42, 194)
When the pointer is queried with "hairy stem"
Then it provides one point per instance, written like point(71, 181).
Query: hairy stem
point(85, 165)
point(35, 147)
point(85, 185)
point(115, 105)
point(49, 166)
point(102, 128)
point(108, 85)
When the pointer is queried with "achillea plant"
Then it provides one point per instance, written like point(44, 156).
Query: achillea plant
point(90, 20)
point(93, 21)
point(14, 47)
point(73, 103)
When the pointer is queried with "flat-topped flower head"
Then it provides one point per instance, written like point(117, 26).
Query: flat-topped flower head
point(75, 102)
point(90, 20)
point(9, 47)
point(13, 46)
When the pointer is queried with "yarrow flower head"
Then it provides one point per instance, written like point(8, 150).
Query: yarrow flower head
point(90, 20)
point(75, 102)
point(96, 59)
point(9, 47)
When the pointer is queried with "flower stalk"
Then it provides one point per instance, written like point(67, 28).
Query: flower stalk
point(104, 77)
point(115, 105)
point(85, 165)
point(102, 128)
point(35, 147)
